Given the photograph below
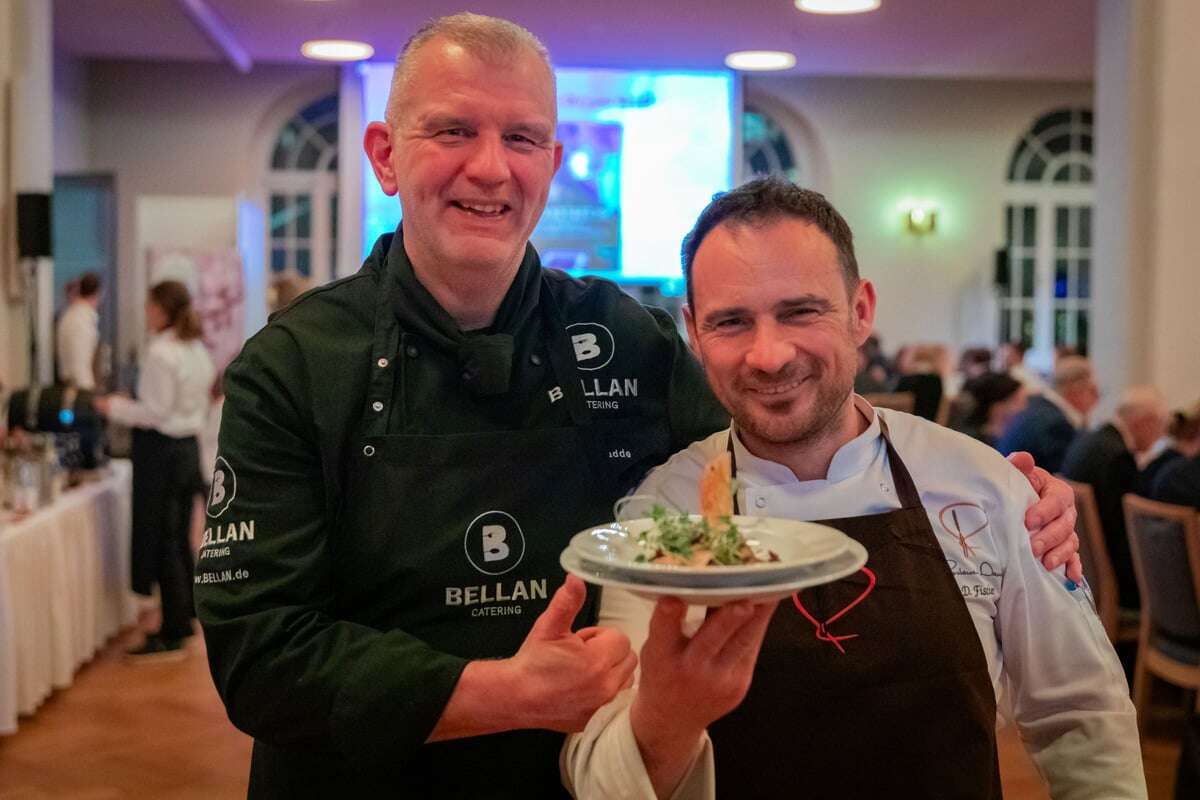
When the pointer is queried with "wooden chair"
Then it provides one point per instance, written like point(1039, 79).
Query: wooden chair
point(1165, 542)
point(897, 401)
point(1121, 625)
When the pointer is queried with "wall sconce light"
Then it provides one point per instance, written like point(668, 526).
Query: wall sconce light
point(920, 219)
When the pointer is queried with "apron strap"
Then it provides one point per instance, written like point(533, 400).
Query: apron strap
point(562, 358)
point(906, 490)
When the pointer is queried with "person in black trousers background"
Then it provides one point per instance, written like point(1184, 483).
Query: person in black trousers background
point(170, 410)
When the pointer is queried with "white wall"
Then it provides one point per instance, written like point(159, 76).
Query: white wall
point(70, 115)
point(185, 129)
point(881, 141)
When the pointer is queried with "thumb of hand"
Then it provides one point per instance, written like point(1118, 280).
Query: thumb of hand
point(1022, 461)
point(556, 620)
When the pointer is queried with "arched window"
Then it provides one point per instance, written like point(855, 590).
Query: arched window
point(302, 194)
point(1046, 298)
point(766, 149)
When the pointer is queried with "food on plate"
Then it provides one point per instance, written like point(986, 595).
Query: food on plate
point(713, 540)
point(716, 489)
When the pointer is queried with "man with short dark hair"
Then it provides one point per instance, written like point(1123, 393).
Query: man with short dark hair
point(77, 335)
point(885, 683)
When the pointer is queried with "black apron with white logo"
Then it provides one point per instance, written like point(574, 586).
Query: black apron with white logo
point(455, 539)
point(873, 686)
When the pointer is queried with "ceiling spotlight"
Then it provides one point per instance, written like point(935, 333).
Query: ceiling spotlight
point(336, 50)
point(760, 60)
point(837, 6)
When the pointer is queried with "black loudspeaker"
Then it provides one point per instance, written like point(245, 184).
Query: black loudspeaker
point(33, 225)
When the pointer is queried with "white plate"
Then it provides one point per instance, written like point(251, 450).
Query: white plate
point(849, 562)
point(614, 548)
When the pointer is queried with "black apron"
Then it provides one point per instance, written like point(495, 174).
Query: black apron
point(874, 686)
point(467, 529)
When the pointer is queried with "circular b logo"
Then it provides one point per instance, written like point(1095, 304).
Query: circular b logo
point(593, 343)
point(224, 488)
point(494, 543)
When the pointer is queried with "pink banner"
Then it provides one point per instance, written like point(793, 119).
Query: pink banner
point(214, 277)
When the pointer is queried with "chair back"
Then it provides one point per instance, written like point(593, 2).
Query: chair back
point(1093, 552)
point(897, 401)
point(1165, 542)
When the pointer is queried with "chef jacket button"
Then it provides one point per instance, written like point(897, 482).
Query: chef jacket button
point(383, 362)
point(411, 351)
point(378, 406)
point(536, 360)
point(369, 451)
point(760, 502)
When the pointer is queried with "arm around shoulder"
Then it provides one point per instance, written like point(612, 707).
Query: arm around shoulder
point(1069, 695)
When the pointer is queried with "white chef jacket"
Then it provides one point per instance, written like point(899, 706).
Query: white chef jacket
point(173, 388)
point(1050, 661)
point(76, 339)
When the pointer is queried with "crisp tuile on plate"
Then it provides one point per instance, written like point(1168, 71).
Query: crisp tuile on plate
point(714, 540)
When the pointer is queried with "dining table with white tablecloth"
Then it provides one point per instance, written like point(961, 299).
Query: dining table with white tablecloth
point(64, 589)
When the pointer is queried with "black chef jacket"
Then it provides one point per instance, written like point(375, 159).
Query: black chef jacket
point(337, 611)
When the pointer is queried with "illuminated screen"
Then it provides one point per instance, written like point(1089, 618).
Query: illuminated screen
point(643, 153)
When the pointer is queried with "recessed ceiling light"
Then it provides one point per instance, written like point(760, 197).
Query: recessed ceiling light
point(837, 6)
point(336, 50)
point(760, 60)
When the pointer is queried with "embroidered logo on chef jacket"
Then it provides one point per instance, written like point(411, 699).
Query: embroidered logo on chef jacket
point(594, 345)
point(224, 488)
point(962, 521)
point(494, 542)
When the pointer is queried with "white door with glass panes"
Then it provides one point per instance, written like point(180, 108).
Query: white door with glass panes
point(302, 195)
point(1045, 302)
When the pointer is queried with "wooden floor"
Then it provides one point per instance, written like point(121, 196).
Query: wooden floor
point(159, 731)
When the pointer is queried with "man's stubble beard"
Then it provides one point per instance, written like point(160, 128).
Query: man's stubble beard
point(824, 416)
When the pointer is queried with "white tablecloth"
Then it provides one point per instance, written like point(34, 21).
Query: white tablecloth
point(64, 590)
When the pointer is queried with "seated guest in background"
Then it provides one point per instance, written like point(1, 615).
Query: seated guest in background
point(1182, 441)
point(986, 405)
point(1106, 459)
point(1010, 359)
point(1052, 418)
point(921, 369)
point(1178, 481)
point(871, 378)
point(77, 335)
point(972, 362)
point(882, 684)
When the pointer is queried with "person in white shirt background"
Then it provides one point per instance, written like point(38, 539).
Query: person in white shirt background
point(171, 409)
point(886, 683)
point(77, 335)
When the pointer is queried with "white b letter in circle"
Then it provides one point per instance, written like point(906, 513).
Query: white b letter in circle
point(494, 542)
point(224, 488)
point(594, 345)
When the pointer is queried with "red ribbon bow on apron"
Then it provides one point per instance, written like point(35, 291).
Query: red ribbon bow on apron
point(823, 633)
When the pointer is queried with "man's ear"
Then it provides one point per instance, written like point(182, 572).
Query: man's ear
point(377, 143)
point(558, 154)
point(862, 311)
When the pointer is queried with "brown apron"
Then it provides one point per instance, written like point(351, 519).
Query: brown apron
point(873, 686)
